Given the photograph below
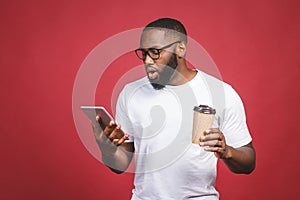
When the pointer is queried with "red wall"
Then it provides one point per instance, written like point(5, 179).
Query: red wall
point(255, 45)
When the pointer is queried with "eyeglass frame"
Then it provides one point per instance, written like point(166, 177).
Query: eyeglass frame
point(145, 53)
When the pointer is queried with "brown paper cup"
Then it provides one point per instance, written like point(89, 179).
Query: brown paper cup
point(203, 119)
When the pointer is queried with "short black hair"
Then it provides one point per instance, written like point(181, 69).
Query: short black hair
point(168, 24)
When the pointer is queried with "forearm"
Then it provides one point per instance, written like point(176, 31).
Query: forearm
point(116, 153)
point(240, 160)
point(118, 160)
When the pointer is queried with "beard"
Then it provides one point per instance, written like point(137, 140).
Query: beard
point(166, 74)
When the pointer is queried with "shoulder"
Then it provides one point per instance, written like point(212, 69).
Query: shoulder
point(213, 81)
point(223, 94)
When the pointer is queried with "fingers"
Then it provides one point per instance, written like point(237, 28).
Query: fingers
point(98, 127)
point(212, 131)
point(212, 135)
point(109, 129)
point(112, 133)
point(118, 142)
point(214, 141)
point(98, 119)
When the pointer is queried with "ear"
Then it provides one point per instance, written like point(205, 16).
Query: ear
point(181, 49)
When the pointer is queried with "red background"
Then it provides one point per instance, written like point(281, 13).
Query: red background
point(43, 43)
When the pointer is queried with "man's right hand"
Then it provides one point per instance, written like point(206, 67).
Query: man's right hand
point(110, 134)
point(116, 153)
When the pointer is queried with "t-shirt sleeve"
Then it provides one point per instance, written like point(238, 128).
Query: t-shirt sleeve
point(234, 126)
point(122, 115)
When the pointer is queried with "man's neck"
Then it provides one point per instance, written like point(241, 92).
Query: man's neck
point(182, 75)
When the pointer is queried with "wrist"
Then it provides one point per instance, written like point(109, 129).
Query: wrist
point(228, 153)
point(106, 147)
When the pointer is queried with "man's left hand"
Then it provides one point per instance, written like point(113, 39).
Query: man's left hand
point(214, 141)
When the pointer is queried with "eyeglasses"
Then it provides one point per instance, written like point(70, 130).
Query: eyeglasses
point(152, 52)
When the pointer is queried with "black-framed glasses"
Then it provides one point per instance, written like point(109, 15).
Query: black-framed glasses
point(152, 52)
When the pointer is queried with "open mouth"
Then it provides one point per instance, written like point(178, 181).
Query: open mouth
point(152, 73)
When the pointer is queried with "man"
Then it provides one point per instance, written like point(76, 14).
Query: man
point(156, 114)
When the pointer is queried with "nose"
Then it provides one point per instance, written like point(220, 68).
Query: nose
point(148, 60)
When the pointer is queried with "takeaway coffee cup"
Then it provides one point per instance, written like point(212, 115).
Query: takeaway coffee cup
point(203, 119)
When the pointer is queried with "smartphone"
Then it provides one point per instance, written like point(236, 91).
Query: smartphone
point(92, 111)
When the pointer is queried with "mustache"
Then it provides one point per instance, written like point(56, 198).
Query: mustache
point(151, 69)
point(165, 74)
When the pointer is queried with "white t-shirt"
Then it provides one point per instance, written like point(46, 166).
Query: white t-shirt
point(167, 164)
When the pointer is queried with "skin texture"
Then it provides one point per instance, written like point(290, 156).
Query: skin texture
point(117, 154)
point(238, 160)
